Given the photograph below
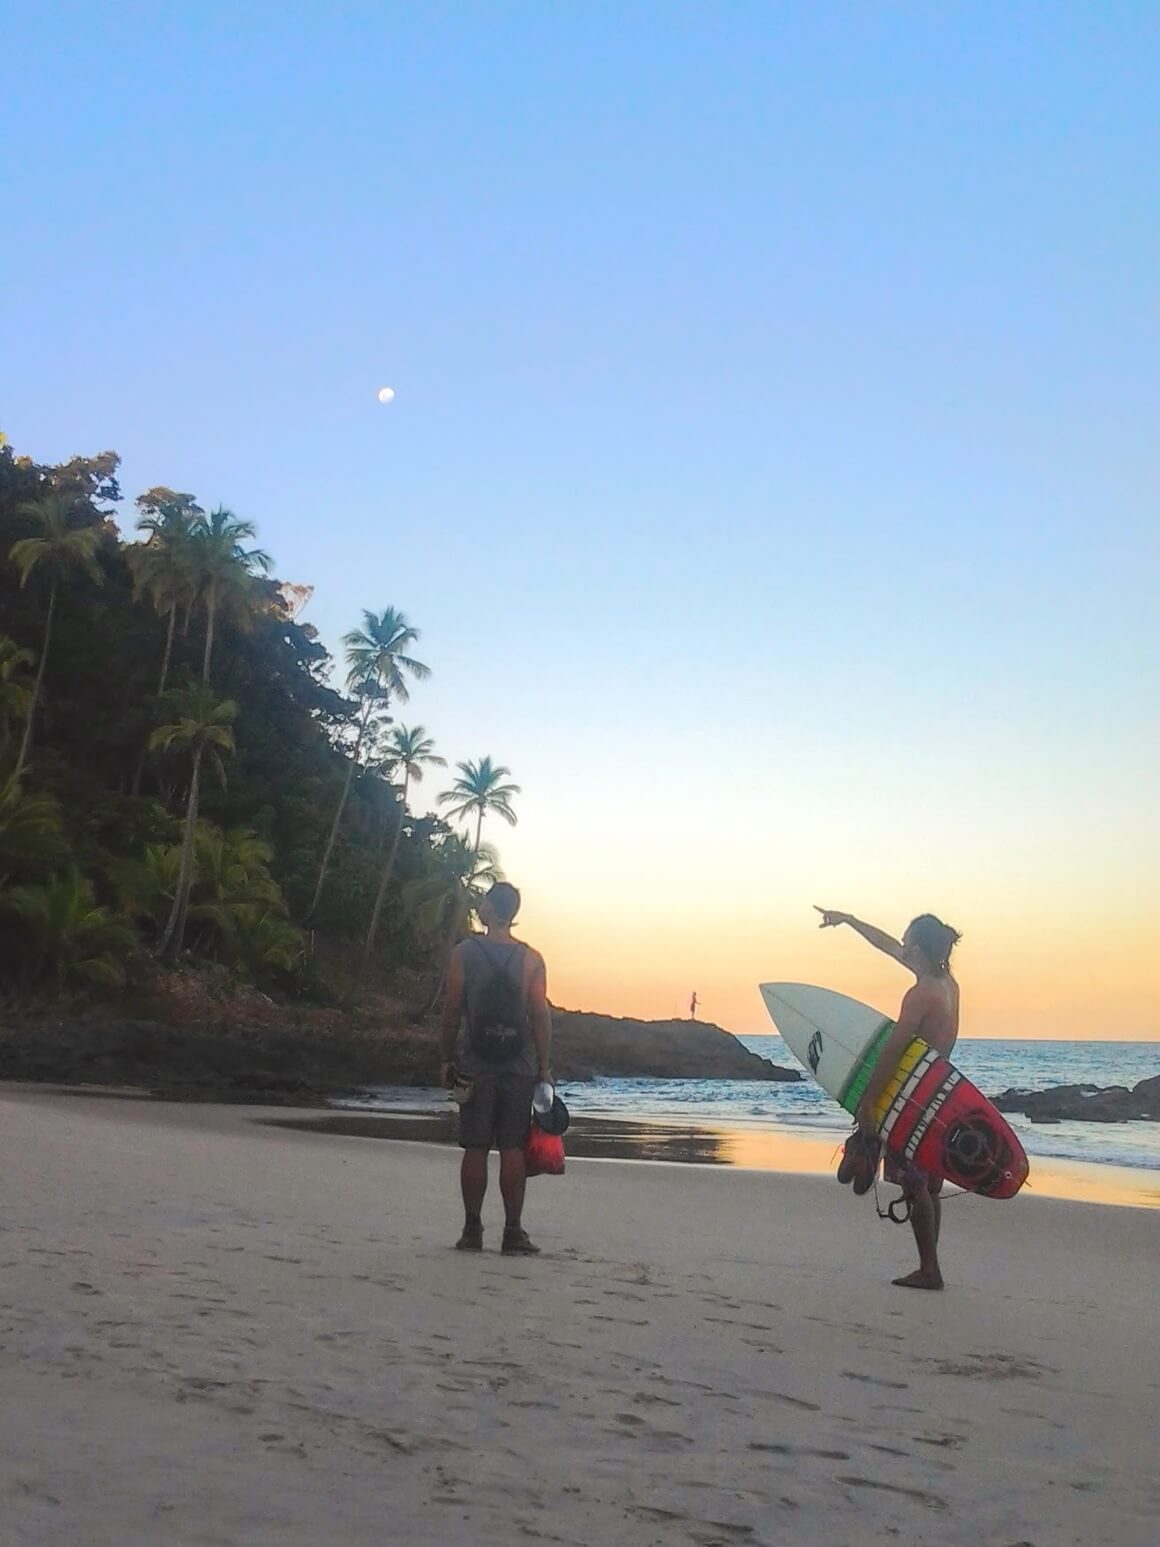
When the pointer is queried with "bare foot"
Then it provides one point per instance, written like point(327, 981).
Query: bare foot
point(919, 1280)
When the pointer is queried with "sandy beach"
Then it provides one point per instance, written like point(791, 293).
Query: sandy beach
point(221, 1331)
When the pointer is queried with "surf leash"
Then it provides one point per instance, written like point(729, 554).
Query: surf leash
point(905, 1206)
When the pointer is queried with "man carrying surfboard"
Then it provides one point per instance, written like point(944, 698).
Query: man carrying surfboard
point(930, 1010)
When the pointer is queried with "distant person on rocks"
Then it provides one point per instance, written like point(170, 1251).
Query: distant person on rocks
point(497, 1033)
point(930, 1010)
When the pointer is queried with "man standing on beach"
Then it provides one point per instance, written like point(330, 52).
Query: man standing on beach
point(497, 1006)
point(930, 1010)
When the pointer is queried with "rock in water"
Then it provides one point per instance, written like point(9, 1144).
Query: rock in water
point(1086, 1103)
point(584, 1045)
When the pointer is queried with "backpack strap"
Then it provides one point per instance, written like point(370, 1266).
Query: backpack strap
point(497, 969)
point(527, 970)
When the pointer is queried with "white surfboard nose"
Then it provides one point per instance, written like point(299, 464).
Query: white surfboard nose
point(827, 1032)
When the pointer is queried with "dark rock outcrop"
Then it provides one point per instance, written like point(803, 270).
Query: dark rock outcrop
point(1086, 1103)
point(286, 1064)
point(585, 1045)
point(304, 1062)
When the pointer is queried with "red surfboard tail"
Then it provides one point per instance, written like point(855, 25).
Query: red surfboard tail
point(941, 1123)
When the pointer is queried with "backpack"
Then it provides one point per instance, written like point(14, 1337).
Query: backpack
point(499, 1018)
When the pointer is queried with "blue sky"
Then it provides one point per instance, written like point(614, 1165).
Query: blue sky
point(773, 471)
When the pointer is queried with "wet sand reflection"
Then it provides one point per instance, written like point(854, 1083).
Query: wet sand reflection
point(753, 1149)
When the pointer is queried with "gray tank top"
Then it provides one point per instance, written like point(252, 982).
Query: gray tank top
point(480, 959)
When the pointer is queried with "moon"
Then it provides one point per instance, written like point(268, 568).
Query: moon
point(386, 394)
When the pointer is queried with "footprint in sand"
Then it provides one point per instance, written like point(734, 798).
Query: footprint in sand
point(773, 1448)
point(656, 1439)
point(200, 1384)
point(919, 1495)
point(876, 1380)
point(35, 1491)
point(992, 1367)
point(1026, 1412)
point(708, 1532)
point(692, 1385)
point(781, 1396)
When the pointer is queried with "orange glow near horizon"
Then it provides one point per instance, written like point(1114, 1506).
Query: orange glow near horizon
point(638, 897)
point(1053, 984)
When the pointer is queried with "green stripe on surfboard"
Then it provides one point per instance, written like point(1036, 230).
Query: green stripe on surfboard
point(855, 1087)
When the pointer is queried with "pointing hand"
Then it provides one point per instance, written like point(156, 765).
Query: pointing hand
point(831, 918)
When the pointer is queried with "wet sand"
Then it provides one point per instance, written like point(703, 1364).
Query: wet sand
point(753, 1146)
point(220, 1330)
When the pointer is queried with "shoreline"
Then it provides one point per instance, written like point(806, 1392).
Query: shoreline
point(758, 1144)
point(755, 1146)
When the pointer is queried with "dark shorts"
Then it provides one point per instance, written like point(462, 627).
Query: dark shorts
point(499, 1112)
point(910, 1178)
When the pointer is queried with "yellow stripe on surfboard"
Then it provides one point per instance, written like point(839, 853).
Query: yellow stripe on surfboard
point(898, 1079)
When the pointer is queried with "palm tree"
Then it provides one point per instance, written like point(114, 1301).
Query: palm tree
point(238, 898)
point(231, 872)
point(233, 867)
point(374, 653)
point(15, 687)
point(31, 836)
point(146, 883)
point(202, 728)
point(162, 569)
point(222, 566)
point(258, 936)
point(60, 551)
point(480, 789)
point(441, 901)
point(412, 751)
point(376, 662)
point(163, 566)
point(70, 932)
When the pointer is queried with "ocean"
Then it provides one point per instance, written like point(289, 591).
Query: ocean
point(994, 1066)
point(805, 1109)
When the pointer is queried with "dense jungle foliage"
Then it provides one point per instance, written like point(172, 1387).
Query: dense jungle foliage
point(179, 777)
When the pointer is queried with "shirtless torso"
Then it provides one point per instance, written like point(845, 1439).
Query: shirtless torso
point(931, 1010)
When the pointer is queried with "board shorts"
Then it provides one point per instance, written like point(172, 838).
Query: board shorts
point(901, 1173)
point(498, 1112)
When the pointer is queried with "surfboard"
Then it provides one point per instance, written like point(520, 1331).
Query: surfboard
point(930, 1115)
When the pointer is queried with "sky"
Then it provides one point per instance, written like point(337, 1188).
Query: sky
point(773, 472)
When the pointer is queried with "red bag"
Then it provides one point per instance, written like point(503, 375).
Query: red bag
point(543, 1153)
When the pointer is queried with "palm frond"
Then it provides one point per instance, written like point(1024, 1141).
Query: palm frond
point(60, 548)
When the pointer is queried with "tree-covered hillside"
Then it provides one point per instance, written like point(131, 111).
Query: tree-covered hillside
point(179, 774)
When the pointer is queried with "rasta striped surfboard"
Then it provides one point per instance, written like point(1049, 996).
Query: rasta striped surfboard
point(930, 1115)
